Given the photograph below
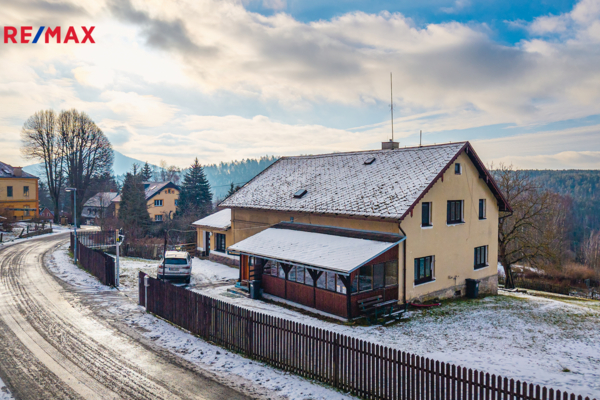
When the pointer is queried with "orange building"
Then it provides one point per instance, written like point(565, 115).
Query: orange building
point(19, 195)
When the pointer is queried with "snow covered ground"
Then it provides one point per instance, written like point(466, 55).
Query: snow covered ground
point(4, 392)
point(13, 237)
point(551, 341)
point(209, 357)
point(204, 272)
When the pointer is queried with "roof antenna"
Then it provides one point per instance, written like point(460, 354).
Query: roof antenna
point(420, 138)
point(392, 106)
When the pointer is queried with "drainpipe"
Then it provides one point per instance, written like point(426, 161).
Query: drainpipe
point(404, 267)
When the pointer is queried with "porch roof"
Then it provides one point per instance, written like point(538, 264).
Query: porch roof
point(332, 249)
point(220, 220)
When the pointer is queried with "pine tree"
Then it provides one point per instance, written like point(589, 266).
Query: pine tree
point(146, 172)
point(195, 196)
point(133, 212)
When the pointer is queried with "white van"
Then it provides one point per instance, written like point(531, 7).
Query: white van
point(178, 266)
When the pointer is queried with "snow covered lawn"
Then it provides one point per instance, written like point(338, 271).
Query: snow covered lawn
point(548, 341)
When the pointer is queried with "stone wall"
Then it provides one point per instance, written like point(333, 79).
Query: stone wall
point(224, 260)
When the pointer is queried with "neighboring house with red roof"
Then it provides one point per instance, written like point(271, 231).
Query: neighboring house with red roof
point(329, 231)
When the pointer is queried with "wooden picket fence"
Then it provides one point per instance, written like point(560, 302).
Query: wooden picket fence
point(356, 366)
point(97, 263)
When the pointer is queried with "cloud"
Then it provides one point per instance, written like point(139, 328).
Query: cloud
point(138, 110)
point(458, 6)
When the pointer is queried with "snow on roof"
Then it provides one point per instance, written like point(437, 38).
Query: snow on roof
point(343, 183)
point(101, 199)
point(8, 171)
point(152, 188)
point(219, 220)
point(331, 252)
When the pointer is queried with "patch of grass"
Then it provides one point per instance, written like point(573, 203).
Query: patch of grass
point(565, 369)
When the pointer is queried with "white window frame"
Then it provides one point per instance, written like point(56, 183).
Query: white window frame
point(158, 218)
point(157, 204)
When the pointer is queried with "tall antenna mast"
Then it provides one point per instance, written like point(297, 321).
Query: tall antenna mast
point(392, 105)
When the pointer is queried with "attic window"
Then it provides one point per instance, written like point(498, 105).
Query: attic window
point(369, 161)
point(300, 193)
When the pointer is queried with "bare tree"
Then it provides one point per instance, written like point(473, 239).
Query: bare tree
point(40, 141)
point(88, 153)
point(535, 231)
point(169, 172)
point(591, 251)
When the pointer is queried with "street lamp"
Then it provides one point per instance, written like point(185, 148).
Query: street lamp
point(74, 190)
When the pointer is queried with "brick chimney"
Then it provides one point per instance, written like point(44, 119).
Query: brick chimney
point(391, 145)
point(18, 171)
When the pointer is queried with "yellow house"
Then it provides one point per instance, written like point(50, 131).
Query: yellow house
point(19, 197)
point(161, 200)
point(328, 231)
point(214, 235)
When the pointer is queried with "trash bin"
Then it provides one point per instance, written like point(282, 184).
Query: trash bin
point(472, 288)
point(255, 289)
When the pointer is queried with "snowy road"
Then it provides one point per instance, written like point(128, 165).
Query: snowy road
point(53, 348)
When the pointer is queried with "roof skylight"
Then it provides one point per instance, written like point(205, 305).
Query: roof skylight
point(369, 161)
point(300, 193)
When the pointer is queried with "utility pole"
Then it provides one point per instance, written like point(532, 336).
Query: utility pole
point(74, 190)
point(392, 105)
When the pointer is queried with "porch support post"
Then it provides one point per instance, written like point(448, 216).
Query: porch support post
point(286, 269)
point(347, 281)
point(315, 275)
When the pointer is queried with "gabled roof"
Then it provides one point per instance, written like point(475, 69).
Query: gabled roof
point(101, 199)
point(7, 171)
point(152, 189)
point(345, 184)
point(333, 249)
point(220, 220)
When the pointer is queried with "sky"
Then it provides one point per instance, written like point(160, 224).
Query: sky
point(227, 80)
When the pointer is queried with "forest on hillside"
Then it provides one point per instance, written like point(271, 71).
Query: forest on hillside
point(581, 188)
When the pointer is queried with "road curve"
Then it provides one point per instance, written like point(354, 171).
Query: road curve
point(50, 349)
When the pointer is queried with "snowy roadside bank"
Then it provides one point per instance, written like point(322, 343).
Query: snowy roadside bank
point(4, 392)
point(255, 378)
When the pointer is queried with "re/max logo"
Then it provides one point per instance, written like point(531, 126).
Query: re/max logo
point(11, 33)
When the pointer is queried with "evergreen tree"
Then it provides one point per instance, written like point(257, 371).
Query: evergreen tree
point(233, 189)
point(146, 172)
point(195, 196)
point(133, 212)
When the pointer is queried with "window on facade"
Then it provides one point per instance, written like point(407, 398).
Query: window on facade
point(176, 202)
point(355, 284)
point(365, 278)
point(481, 257)
point(423, 269)
point(158, 217)
point(26, 211)
point(330, 281)
point(455, 211)
point(378, 276)
point(220, 242)
point(426, 214)
point(457, 169)
point(308, 280)
point(292, 274)
point(300, 272)
point(322, 281)
point(25, 191)
point(482, 209)
point(280, 271)
point(268, 268)
point(9, 191)
point(158, 203)
point(340, 287)
point(391, 273)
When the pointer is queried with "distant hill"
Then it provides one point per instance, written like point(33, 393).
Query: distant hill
point(122, 164)
point(220, 176)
